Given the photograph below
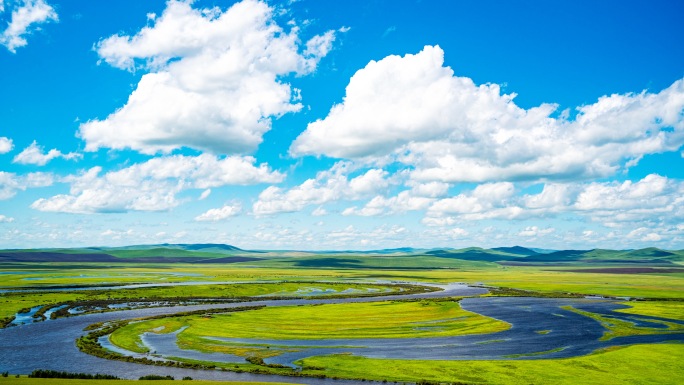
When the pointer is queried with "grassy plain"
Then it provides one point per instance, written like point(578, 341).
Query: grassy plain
point(535, 278)
point(665, 309)
point(620, 328)
point(388, 319)
point(637, 364)
point(12, 302)
point(631, 365)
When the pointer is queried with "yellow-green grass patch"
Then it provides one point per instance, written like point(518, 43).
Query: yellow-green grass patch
point(621, 328)
point(386, 319)
point(637, 364)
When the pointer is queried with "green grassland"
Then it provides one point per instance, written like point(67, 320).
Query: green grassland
point(11, 303)
point(545, 279)
point(387, 319)
point(620, 328)
point(638, 364)
point(665, 309)
point(652, 274)
point(59, 381)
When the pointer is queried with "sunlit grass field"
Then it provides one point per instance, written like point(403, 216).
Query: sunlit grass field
point(638, 364)
point(10, 303)
point(665, 309)
point(537, 278)
point(389, 319)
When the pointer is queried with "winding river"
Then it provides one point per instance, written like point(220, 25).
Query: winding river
point(540, 329)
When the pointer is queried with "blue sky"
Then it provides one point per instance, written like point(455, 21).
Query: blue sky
point(342, 125)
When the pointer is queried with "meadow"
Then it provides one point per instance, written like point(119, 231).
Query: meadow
point(650, 287)
point(386, 319)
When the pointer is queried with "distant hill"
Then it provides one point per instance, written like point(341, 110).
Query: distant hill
point(403, 257)
point(475, 254)
point(517, 250)
point(161, 253)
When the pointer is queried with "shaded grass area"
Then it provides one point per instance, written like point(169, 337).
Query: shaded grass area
point(621, 328)
point(387, 319)
point(638, 364)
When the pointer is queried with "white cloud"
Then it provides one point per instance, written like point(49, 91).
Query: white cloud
point(33, 154)
point(456, 232)
point(222, 213)
point(402, 202)
point(319, 212)
point(205, 194)
point(30, 13)
point(655, 199)
point(328, 186)
point(486, 201)
point(361, 238)
point(419, 197)
point(6, 145)
point(153, 185)
point(10, 183)
point(534, 231)
point(413, 110)
point(644, 234)
point(5, 219)
point(438, 221)
point(213, 82)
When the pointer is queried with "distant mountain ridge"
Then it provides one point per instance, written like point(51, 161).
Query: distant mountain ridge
point(518, 250)
point(223, 253)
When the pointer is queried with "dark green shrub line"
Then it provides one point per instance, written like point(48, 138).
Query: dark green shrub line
point(41, 312)
point(511, 292)
point(41, 373)
point(6, 321)
point(156, 377)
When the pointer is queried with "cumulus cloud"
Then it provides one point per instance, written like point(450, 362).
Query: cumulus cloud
point(225, 212)
point(24, 19)
point(6, 145)
point(534, 231)
point(361, 238)
point(153, 185)
point(644, 234)
point(486, 201)
point(328, 186)
point(10, 183)
point(413, 110)
point(419, 197)
point(213, 81)
point(6, 219)
point(319, 212)
point(654, 199)
point(34, 154)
